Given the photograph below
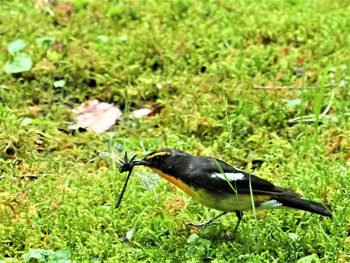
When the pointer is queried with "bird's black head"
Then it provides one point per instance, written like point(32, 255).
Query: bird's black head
point(158, 159)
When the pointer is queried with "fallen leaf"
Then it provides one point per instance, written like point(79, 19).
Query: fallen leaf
point(313, 258)
point(141, 113)
point(292, 102)
point(16, 46)
point(98, 116)
point(59, 83)
point(40, 143)
point(41, 255)
point(146, 112)
point(20, 63)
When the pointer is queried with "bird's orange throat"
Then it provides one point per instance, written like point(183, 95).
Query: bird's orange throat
point(177, 182)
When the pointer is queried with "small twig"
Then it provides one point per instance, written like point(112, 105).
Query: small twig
point(292, 87)
point(311, 117)
point(30, 176)
point(228, 8)
point(275, 88)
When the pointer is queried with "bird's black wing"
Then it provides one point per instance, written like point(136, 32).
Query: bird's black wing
point(218, 176)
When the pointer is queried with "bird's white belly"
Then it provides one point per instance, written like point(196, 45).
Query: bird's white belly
point(226, 203)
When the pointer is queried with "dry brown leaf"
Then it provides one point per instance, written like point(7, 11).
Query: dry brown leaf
point(95, 115)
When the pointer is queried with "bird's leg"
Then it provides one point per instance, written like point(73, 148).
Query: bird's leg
point(206, 223)
point(239, 215)
point(232, 237)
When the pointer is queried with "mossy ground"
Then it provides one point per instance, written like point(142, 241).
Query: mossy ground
point(230, 77)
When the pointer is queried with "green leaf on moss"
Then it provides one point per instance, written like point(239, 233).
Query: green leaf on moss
point(19, 63)
point(16, 46)
point(45, 41)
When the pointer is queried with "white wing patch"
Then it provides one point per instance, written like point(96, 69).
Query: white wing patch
point(270, 204)
point(228, 176)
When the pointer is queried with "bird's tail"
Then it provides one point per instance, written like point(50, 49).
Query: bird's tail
point(306, 205)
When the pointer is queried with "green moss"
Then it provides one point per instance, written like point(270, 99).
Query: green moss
point(223, 74)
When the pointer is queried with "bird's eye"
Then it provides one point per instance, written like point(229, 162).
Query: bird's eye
point(158, 157)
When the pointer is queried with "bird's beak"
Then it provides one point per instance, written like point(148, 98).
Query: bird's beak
point(141, 161)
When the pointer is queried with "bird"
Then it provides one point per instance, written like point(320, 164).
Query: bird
point(220, 186)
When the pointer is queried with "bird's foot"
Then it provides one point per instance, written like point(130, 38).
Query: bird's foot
point(202, 225)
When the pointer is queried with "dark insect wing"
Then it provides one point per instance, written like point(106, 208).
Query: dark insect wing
point(132, 159)
point(126, 165)
point(126, 157)
point(123, 163)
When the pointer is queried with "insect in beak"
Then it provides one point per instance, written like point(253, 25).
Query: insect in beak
point(126, 166)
